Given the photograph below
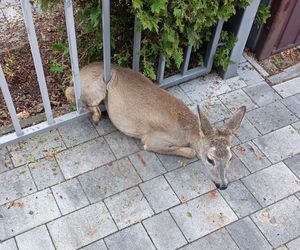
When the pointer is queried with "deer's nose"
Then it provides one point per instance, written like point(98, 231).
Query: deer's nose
point(221, 187)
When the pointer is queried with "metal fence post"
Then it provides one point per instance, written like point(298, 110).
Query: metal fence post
point(136, 45)
point(106, 39)
point(242, 33)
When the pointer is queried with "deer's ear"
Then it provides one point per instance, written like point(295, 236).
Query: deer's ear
point(206, 127)
point(235, 122)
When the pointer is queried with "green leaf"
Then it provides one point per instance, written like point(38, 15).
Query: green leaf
point(158, 5)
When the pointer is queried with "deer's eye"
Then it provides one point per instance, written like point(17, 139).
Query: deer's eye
point(210, 161)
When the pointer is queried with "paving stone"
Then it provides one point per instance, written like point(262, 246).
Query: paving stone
point(171, 162)
point(27, 213)
point(98, 245)
point(280, 144)
point(246, 131)
point(272, 184)
point(251, 156)
point(237, 98)
point(294, 164)
point(262, 94)
point(271, 117)
point(31, 149)
point(288, 88)
point(293, 104)
point(236, 169)
point(283, 247)
point(286, 74)
point(219, 240)
point(257, 66)
point(105, 126)
point(171, 238)
point(15, 184)
point(235, 83)
point(280, 221)
point(249, 74)
point(132, 238)
point(8, 245)
point(5, 161)
point(298, 195)
point(69, 196)
point(121, 144)
point(46, 173)
point(109, 179)
point(203, 215)
point(128, 207)
point(296, 125)
point(189, 182)
point(159, 194)
point(294, 244)
point(147, 164)
point(81, 227)
point(78, 131)
point(240, 199)
point(35, 239)
point(179, 93)
point(201, 89)
point(84, 157)
point(247, 235)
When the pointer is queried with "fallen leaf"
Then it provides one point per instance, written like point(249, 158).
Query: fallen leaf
point(183, 199)
point(15, 203)
point(189, 214)
point(265, 214)
point(23, 115)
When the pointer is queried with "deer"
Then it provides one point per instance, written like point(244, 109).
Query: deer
point(141, 109)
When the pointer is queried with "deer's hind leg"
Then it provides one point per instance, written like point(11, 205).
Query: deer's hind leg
point(163, 144)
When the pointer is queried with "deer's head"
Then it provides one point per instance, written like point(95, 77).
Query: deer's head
point(215, 146)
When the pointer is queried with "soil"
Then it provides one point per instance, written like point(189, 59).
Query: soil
point(277, 63)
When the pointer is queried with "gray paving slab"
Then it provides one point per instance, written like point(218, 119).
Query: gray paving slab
point(247, 235)
point(81, 227)
point(39, 146)
point(201, 216)
point(131, 238)
point(179, 93)
point(293, 104)
point(69, 196)
point(15, 184)
point(294, 244)
point(35, 239)
point(84, 157)
point(286, 74)
point(237, 98)
point(109, 179)
point(272, 184)
point(247, 73)
point(171, 238)
point(296, 125)
point(105, 126)
point(283, 247)
point(147, 164)
point(121, 144)
point(219, 240)
point(159, 194)
point(237, 169)
point(262, 94)
point(174, 162)
point(201, 89)
point(5, 161)
point(271, 117)
point(279, 144)
point(256, 65)
point(46, 173)
point(294, 164)
point(78, 131)
point(8, 245)
point(98, 245)
point(288, 88)
point(235, 83)
point(27, 213)
point(128, 207)
point(240, 199)
point(190, 181)
point(298, 195)
point(280, 221)
point(251, 156)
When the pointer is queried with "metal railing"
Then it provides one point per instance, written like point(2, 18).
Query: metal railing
point(51, 123)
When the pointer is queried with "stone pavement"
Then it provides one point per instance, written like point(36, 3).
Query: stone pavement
point(91, 187)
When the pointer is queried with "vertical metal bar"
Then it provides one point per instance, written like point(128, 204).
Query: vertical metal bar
point(161, 69)
point(9, 103)
point(136, 45)
point(69, 15)
point(37, 58)
point(106, 39)
point(187, 56)
point(242, 34)
point(212, 47)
